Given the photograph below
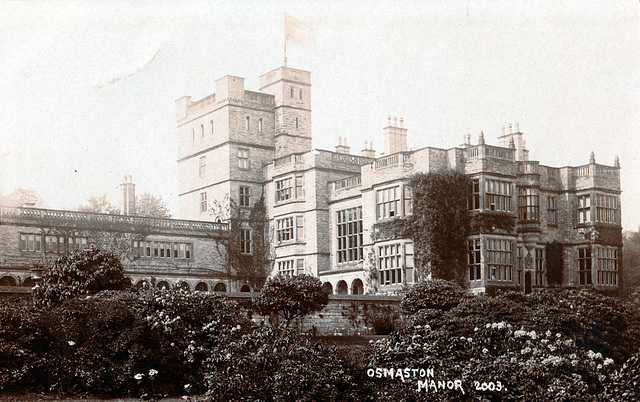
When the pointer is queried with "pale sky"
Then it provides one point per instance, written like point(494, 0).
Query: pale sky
point(87, 89)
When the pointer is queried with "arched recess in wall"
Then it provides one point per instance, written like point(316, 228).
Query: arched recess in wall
point(247, 123)
point(29, 282)
point(245, 288)
point(142, 284)
point(259, 125)
point(202, 287)
point(8, 281)
point(184, 285)
point(163, 285)
point(343, 288)
point(211, 123)
point(357, 287)
point(328, 287)
point(220, 287)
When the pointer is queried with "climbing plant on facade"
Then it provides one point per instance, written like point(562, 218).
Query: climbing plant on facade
point(440, 224)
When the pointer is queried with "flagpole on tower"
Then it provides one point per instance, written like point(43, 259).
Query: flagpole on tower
point(298, 32)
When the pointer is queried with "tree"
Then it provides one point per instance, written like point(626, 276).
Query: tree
point(291, 297)
point(440, 224)
point(631, 259)
point(82, 272)
point(99, 204)
point(255, 265)
point(152, 206)
point(23, 197)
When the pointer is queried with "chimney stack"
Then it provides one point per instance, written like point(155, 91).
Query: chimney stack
point(128, 197)
point(395, 137)
point(368, 151)
point(342, 147)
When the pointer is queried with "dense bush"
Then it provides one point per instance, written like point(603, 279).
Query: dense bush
point(435, 294)
point(278, 365)
point(81, 272)
point(117, 343)
point(550, 345)
point(292, 296)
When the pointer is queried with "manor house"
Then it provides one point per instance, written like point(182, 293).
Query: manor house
point(325, 209)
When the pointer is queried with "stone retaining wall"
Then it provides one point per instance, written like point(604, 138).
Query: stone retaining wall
point(343, 315)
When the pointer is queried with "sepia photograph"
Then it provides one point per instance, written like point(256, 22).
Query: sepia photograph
point(320, 201)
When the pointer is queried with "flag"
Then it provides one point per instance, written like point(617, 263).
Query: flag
point(298, 32)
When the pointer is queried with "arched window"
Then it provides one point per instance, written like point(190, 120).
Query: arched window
point(343, 288)
point(260, 125)
point(247, 124)
point(29, 282)
point(245, 288)
point(357, 287)
point(301, 94)
point(193, 134)
point(327, 287)
point(8, 281)
point(220, 287)
point(202, 130)
point(202, 287)
point(211, 122)
point(296, 122)
point(292, 92)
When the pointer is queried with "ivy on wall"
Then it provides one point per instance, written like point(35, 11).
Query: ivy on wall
point(392, 229)
point(489, 222)
point(440, 224)
point(555, 264)
point(610, 236)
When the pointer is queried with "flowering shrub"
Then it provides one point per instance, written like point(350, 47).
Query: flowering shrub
point(278, 365)
point(192, 326)
point(433, 294)
point(291, 297)
point(116, 343)
point(82, 272)
point(550, 345)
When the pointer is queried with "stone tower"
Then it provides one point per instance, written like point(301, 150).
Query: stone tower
point(291, 89)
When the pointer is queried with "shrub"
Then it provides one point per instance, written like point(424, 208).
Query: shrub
point(382, 320)
point(291, 297)
point(97, 345)
point(18, 334)
point(272, 365)
point(549, 345)
point(433, 294)
point(82, 272)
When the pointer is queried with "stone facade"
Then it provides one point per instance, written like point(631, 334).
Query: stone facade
point(155, 252)
point(324, 206)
